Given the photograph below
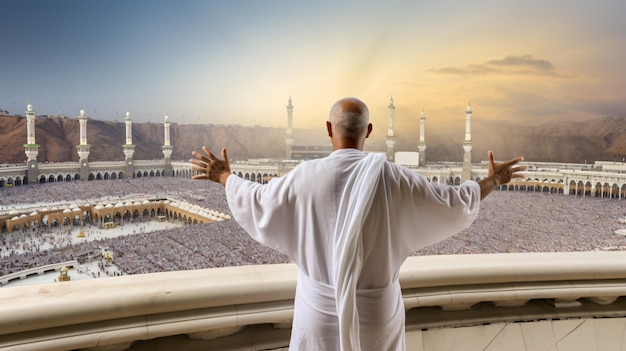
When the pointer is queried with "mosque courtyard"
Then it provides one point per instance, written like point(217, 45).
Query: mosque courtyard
point(508, 222)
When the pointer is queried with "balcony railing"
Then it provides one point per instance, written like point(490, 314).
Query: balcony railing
point(251, 307)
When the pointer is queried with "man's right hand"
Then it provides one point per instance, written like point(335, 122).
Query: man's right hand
point(500, 173)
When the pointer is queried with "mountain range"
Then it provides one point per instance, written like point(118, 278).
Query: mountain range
point(557, 141)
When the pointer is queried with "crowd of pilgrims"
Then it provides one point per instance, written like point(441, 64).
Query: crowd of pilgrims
point(508, 222)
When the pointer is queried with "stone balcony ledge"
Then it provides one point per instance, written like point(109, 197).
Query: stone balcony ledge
point(226, 305)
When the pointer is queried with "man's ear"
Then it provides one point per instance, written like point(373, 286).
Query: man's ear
point(369, 130)
point(329, 128)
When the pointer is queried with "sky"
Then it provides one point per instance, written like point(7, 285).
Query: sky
point(239, 61)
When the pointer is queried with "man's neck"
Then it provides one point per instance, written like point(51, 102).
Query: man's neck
point(346, 144)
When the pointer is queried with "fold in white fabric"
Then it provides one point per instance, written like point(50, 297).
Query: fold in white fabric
point(348, 244)
point(381, 313)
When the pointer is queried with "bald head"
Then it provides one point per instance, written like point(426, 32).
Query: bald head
point(348, 122)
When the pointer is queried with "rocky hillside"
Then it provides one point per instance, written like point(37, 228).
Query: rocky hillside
point(598, 139)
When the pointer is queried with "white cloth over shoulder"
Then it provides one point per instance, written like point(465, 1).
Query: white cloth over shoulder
point(354, 205)
point(303, 213)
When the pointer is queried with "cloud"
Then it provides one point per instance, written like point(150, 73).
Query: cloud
point(524, 61)
point(509, 65)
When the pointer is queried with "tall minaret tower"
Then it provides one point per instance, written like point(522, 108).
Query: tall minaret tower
point(129, 148)
point(31, 148)
point(167, 148)
point(83, 147)
point(391, 139)
point(289, 137)
point(467, 144)
point(421, 145)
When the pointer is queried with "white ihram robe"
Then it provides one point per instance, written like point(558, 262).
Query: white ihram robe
point(349, 221)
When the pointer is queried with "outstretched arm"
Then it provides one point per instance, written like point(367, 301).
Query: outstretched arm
point(211, 167)
point(500, 173)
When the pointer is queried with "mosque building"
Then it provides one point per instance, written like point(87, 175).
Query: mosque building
point(301, 145)
point(600, 179)
point(84, 170)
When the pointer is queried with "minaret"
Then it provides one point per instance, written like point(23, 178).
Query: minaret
point(83, 147)
point(167, 148)
point(467, 144)
point(129, 148)
point(421, 145)
point(289, 136)
point(391, 139)
point(31, 148)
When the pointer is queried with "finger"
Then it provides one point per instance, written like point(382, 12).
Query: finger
point(199, 169)
point(200, 156)
point(198, 163)
point(512, 161)
point(209, 153)
point(224, 154)
point(200, 176)
point(519, 169)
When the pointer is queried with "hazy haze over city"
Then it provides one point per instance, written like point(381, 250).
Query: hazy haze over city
point(239, 61)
